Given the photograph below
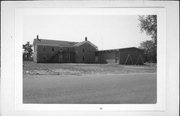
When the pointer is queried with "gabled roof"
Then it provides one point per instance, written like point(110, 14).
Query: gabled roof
point(54, 42)
point(61, 43)
point(86, 41)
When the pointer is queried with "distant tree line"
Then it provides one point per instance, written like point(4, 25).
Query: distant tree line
point(27, 52)
point(148, 24)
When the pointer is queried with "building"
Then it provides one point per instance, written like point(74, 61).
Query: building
point(52, 51)
point(126, 56)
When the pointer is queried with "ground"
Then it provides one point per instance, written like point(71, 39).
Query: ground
point(88, 83)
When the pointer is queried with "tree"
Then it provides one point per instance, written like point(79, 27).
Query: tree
point(27, 53)
point(148, 24)
point(149, 50)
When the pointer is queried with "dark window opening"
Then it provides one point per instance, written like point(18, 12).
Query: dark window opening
point(60, 50)
point(69, 57)
point(83, 50)
point(44, 48)
point(52, 49)
point(83, 58)
point(44, 58)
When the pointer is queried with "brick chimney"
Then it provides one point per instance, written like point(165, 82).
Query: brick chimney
point(38, 38)
point(85, 38)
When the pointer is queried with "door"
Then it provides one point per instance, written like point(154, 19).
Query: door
point(60, 57)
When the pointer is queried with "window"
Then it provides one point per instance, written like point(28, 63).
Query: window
point(83, 50)
point(83, 58)
point(44, 57)
point(60, 50)
point(44, 48)
point(52, 49)
point(69, 57)
point(89, 59)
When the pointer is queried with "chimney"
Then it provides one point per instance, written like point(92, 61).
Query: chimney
point(85, 38)
point(38, 37)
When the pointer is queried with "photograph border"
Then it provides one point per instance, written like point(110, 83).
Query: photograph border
point(17, 15)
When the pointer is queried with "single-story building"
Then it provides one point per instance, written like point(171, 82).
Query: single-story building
point(127, 56)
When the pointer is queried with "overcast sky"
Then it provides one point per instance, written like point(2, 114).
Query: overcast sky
point(105, 31)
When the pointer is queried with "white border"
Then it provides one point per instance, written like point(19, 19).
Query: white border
point(163, 107)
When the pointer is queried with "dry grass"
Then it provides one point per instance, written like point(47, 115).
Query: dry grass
point(89, 83)
point(31, 68)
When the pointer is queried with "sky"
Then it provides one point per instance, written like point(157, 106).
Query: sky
point(105, 31)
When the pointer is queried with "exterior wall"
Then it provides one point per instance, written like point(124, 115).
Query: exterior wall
point(85, 53)
point(131, 56)
point(107, 56)
point(53, 54)
point(35, 54)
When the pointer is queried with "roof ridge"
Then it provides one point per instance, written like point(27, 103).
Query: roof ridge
point(54, 40)
point(80, 43)
point(120, 49)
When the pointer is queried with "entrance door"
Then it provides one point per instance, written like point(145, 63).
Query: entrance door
point(117, 60)
point(60, 58)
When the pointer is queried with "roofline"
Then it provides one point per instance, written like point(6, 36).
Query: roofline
point(54, 45)
point(51, 40)
point(81, 43)
point(118, 49)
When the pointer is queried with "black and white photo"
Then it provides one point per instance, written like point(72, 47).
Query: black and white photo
point(90, 59)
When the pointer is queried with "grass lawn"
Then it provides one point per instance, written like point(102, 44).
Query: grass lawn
point(89, 84)
point(31, 68)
